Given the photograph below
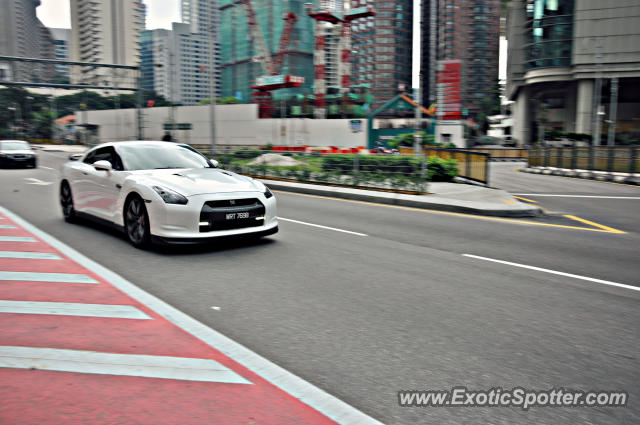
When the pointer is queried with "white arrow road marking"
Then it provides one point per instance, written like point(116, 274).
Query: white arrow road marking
point(38, 182)
point(165, 367)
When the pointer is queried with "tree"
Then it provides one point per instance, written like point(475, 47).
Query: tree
point(489, 106)
point(221, 101)
point(41, 124)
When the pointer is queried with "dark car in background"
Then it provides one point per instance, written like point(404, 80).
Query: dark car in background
point(17, 153)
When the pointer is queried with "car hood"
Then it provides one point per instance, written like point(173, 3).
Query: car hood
point(189, 182)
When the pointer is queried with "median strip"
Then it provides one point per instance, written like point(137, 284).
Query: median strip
point(164, 367)
point(46, 277)
point(72, 309)
point(29, 255)
point(16, 239)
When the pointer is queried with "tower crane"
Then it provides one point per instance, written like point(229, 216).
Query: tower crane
point(272, 77)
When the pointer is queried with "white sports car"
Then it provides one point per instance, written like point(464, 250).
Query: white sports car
point(163, 192)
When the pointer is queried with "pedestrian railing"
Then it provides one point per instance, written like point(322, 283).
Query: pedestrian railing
point(625, 159)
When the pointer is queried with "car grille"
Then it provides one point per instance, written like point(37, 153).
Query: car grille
point(228, 214)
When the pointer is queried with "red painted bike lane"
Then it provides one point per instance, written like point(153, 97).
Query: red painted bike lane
point(59, 334)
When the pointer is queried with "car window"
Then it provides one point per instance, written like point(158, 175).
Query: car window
point(141, 156)
point(89, 159)
point(14, 145)
point(108, 153)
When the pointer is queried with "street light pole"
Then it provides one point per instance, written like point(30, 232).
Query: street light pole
point(212, 84)
point(418, 136)
point(613, 110)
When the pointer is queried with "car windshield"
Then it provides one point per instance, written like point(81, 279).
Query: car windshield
point(154, 156)
point(14, 145)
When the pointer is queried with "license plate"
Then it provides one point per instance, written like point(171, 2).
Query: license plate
point(237, 216)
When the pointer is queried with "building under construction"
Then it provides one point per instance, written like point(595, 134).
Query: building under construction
point(242, 61)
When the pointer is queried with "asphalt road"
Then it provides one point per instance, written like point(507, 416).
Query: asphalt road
point(399, 306)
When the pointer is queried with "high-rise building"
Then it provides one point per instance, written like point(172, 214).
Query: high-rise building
point(239, 69)
point(203, 23)
point(175, 64)
point(382, 48)
point(61, 40)
point(465, 30)
point(23, 35)
point(106, 32)
point(571, 64)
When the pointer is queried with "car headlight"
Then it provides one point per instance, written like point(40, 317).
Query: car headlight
point(169, 196)
point(262, 188)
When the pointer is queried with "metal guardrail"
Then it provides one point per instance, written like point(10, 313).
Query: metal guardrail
point(597, 158)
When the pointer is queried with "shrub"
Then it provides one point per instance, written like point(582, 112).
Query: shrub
point(384, 167)
point(246, 153)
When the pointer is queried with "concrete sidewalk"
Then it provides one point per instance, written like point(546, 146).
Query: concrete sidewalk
point(453, 197)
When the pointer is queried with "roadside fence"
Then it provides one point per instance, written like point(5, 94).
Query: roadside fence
point(597, 158)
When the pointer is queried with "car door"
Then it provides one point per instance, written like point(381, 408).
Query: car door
point(102, 186)
point(79, 181)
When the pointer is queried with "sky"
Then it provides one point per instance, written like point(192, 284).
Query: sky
point(161, 13)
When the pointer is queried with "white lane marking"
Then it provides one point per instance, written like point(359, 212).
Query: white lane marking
point(325, 403)
point(38, 182)
point(553, 195)
point(214, 307)
point(16, 239)
point(29, 255)
point(540, 269)
point(46, 277)
point(47, 168)
point(322, 227)
point(73, 309)
point(78, 361)
point(7, 226)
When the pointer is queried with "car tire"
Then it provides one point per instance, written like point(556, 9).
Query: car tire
point(66, 202)
point(136, 223)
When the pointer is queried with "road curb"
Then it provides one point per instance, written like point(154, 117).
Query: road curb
point(413, 201)
point(623, 178)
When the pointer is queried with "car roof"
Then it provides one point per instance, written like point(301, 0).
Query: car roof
point(137, 142)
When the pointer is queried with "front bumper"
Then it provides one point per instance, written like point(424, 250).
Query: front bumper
point(158, 240)
point(18, 161)
point(182, 223)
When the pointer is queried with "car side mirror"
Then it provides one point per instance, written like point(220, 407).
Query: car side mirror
point(102, 165)
point(75, 156)
point(214, 163)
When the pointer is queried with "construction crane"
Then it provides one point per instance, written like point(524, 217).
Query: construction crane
point(272, 77)
point(319, 56)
